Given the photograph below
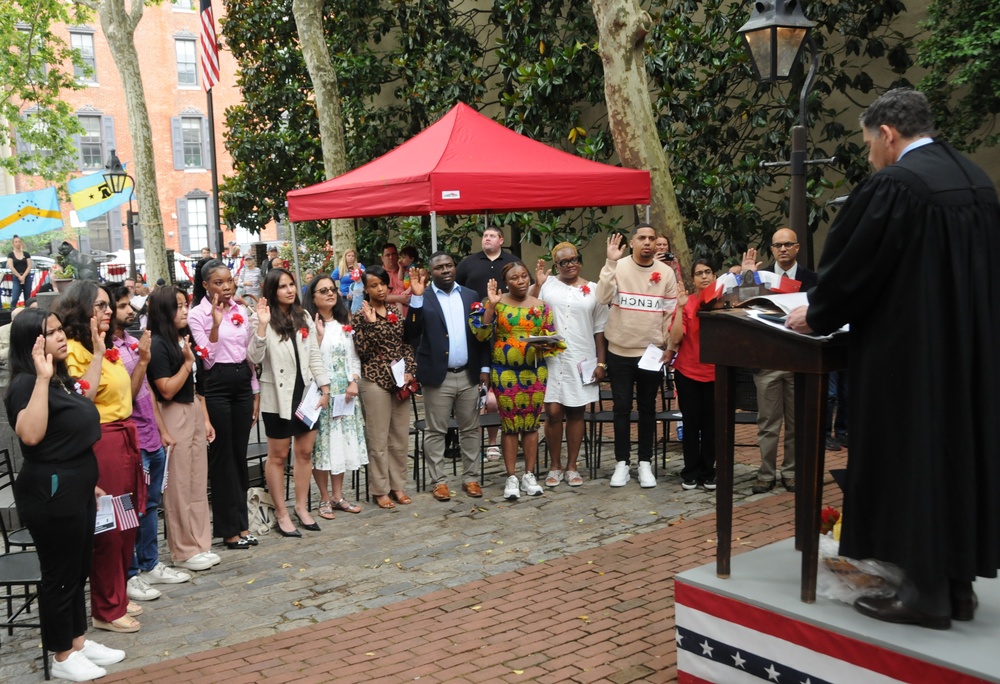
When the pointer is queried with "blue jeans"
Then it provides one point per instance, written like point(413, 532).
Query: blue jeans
point(18, 288)
point(147, 554)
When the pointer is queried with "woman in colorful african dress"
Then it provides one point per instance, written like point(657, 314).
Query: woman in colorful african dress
point(518, 374)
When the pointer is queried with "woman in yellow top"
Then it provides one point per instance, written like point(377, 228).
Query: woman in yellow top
point(86, 314)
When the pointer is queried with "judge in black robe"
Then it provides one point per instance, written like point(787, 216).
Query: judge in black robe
point(910, 264)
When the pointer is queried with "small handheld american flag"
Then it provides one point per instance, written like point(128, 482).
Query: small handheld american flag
point(125, 512)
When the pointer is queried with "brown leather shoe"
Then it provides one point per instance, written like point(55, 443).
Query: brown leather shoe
point(788, 483)
point(472, 489)
point(891, 609)
point(441, 492)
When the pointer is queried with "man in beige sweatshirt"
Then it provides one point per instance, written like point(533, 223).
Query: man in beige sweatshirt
point(642, 293)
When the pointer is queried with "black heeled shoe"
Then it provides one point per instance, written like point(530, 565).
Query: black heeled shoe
point(312, 527)
point(293, 533)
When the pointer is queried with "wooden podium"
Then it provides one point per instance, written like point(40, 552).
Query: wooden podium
point(731, 339)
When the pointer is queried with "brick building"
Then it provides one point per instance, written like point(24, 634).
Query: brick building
point(169, 58)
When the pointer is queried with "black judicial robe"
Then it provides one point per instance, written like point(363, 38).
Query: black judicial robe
point(911, 263)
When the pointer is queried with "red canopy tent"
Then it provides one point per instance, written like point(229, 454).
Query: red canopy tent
point(466, 163)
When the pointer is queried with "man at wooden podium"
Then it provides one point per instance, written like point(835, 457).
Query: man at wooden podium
point(907, 263)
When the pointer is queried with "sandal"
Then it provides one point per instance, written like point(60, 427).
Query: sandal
point(384, 501)
point(345, 506)
point(400, 498)
point(573, 478)
point(124, 625)
point(326, 510)
point(554, 478)
point(133, 609)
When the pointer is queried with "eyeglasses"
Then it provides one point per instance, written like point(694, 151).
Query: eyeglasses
point(783, 245)
point(706, 272)
point(101, 306)
point(325, 290)
point(566, 263)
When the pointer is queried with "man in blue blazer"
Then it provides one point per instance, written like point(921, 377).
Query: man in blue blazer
point(452, 367)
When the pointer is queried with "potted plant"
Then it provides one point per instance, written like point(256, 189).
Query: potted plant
point(62, 273)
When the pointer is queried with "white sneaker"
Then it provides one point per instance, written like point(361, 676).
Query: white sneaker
point(646, 477)
point(530, 485)
point(511, 492)
point(76, 668)
point(621, 476)
point(196, 562)
point(214, 557)
point(100, 654)
point(161, 574)
point(137, 590)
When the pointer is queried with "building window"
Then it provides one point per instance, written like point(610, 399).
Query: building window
point(187, 66)
point(184, 4)
point(83, 43)
point(197, 215)
point(91, 147)
point(37, 68)
point(193, 143)
point(99, 232)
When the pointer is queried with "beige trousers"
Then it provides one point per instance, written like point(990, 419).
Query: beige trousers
point(387, 431)
point(185, 500)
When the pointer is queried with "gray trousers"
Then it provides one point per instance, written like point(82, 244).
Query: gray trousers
point(775, 400)
point(454, 394)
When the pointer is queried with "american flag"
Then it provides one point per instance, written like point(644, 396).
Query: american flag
point(125, 512)
point(209, 47)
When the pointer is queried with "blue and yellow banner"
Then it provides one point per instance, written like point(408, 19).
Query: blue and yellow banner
point(91, 196)
point(29, 213)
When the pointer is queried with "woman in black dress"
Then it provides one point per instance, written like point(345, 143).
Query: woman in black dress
point(55, 491)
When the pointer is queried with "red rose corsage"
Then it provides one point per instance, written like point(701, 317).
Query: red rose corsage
point(392, 318)
point(304, 332)
point(112, 355)
point(348, 330)
point(585, 290)
point(655, 277)
point(200, 352)
point(134, 346)
point(81, 386)
point(237, 319)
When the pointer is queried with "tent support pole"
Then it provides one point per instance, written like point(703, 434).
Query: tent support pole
point(434, 232)
point(295, 255)
point(647, 213)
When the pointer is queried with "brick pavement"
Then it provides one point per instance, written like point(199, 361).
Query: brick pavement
point(604, 614)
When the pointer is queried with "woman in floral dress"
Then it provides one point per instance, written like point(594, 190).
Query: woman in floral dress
point(340, 443)
point(518, 374)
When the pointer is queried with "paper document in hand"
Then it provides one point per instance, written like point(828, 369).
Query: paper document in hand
point(105, 514)
point(308, 411)
point(399, 372)
point(777, 302)
point(341, 406)
point(586, 369)
point(651, 359)
point(771, 320)
point(166, 469)
point(543, 339)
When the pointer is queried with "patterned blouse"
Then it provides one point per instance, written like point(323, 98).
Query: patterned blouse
point(380, 344)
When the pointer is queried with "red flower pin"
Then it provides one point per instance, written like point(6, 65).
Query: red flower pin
point(348, 329)
point(304, 332)
point(81, 386)
point(356, 274)
point(134, 346)
point(237, 319)
point(476, 306)
point(392, 318)
point(112, 355)
point(655, 278)
point(585, 290)
point(200, 352)
point(828, 518)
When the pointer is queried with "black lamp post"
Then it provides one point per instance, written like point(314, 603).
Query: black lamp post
point(774, 37)
point(115, 176)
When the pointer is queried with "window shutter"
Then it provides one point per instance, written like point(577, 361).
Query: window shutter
point(108, 134)
point(84, 245)
point(182, 226)
point(177, 140)
point(116, 229)
point(79, 152)
point(207, 142)
point(23, 148)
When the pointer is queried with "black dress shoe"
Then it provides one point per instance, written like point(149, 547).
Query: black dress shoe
point(761, 486)
point(963, 608)
point(312, 527)
point(293, 533)
point(238, 545)
point(250, 539)
point(891, 609)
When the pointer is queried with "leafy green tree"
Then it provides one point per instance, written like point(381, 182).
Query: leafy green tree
point(962, 54)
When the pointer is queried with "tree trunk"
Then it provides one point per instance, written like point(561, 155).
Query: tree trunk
point(309, 23)
point(119, 29)
point(622, 28)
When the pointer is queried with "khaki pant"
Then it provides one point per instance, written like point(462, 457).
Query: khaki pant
point(185, 500)
point(387, 431)
point(455, 393)
point(775, 400)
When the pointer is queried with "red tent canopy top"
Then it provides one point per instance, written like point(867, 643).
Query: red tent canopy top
point(466, 163)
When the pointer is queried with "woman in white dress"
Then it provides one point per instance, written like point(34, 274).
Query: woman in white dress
point(580, 319)
point(340, 444)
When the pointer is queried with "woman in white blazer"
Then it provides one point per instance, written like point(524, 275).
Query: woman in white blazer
point(286, 349)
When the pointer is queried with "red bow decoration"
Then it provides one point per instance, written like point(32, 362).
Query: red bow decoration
point(81, 386)
point(304, 332)
point(392, 318)
point(237, 319)
point(585, 290)
point(348, 329)
point(112, 355)
point(200, 352)
point(655, 277)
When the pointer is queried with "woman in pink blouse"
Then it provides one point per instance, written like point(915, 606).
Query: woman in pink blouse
point(221, 331)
